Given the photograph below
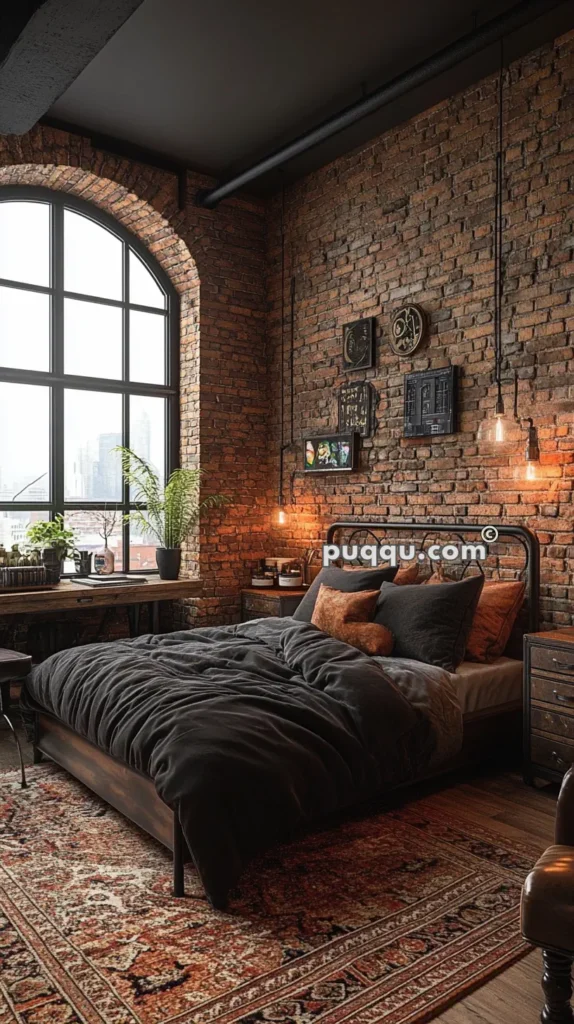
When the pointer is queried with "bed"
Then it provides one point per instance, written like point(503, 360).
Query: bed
point(221, 741)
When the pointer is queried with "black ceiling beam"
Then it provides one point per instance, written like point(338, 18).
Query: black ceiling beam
point(44, 48)
point(444, 60)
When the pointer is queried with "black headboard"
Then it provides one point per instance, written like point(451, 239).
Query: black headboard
point(499, 558)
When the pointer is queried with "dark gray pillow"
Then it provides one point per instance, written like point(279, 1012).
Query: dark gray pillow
point(349, 582)
point(431, 623)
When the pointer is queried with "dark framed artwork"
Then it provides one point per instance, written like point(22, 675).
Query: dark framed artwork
point(332, 453)
point(408, 329)
point(356, 406)
point(430, 402)
point(359, 344)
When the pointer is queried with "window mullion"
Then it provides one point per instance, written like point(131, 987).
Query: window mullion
point(57, 358)
point(126, 402)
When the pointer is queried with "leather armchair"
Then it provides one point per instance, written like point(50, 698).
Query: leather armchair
point(547, 910)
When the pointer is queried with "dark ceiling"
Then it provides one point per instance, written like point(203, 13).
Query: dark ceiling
point(219, 84)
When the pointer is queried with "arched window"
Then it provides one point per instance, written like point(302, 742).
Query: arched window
point(88, 361)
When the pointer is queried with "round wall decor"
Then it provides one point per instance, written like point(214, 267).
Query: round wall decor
point(407, 330)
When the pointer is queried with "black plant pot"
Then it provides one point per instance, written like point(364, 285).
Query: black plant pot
point(168, 562)
point(53, 565)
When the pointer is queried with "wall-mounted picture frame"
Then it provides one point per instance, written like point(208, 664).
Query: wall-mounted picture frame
point(359, 344)
point(331, 453)
point(430, 402)
point(408, 329)
point(356, 405)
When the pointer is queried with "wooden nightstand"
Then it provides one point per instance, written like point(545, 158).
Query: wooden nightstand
point(262, 602)
point(548, 704)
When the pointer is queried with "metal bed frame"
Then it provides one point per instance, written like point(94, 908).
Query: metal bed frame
point(134, 794)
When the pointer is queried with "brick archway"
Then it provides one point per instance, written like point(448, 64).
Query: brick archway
point(172, 254)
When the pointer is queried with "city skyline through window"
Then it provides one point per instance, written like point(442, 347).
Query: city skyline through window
point(88, 361)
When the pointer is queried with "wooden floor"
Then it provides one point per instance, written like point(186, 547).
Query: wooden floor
point(501, 801)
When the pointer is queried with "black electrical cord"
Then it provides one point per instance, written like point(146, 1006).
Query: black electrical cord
point(282, 414)
point(498, 267)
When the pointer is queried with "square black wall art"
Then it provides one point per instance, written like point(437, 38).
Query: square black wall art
point(430, 402)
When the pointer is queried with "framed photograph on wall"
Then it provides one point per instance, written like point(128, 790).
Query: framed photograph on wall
point(333, 453)
point(359, 344)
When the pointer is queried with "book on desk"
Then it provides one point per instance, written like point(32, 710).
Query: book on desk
point(108, 581)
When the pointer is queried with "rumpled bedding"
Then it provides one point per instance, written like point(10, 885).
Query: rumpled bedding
point(252, 732)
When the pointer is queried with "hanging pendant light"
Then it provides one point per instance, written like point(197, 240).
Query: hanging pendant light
point(498, 428)
point(532, 453)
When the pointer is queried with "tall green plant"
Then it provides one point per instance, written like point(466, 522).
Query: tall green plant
point(172, 512)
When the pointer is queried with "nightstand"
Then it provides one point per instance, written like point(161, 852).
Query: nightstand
point(548, 704)
point(262, 602)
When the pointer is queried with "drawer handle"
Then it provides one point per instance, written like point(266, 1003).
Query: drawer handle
point(563, 664)
point(560, 760)
point(564, 698)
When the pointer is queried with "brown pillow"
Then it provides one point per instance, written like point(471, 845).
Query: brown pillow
point(495, 615)
point(346, 617)
point(407, 574)
point(439, 576)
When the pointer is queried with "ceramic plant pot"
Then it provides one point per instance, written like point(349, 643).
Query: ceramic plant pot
point(168, 562)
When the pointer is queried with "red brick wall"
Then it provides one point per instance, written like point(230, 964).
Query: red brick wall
point(216, 262)
point(409, 216)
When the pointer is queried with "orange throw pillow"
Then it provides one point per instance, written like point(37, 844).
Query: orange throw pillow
point(439, 576)
point(494, 618)
point(346, 617)
point(407, 574)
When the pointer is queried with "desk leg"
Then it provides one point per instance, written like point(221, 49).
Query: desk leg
point(134, 619)
point(154, 616)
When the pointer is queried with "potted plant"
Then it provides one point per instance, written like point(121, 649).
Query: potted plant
point(104, 561)
point(54, 541)
point(171, 512)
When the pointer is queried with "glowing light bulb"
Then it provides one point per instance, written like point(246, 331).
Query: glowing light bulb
point(281, 517)
point(531, 471)
point(499, 430)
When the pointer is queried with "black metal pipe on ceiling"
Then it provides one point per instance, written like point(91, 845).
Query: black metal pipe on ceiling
point(421, 73)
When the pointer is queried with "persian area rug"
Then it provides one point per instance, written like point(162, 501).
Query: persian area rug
point(389, 918)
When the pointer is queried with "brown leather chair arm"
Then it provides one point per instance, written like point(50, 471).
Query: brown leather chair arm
point(565, 811)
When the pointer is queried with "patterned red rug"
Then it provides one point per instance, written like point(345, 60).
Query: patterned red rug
point(388, 919)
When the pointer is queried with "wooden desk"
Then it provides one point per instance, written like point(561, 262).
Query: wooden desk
point(68, 596)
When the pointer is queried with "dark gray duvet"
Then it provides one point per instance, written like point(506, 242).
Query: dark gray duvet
point(249, 732)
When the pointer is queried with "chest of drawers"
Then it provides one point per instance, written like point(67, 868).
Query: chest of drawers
point(548, 704)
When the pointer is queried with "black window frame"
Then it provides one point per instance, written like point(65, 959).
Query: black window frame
point(59, 381)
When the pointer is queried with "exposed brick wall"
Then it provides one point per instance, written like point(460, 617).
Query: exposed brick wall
point(410, 216)
point(216, 262)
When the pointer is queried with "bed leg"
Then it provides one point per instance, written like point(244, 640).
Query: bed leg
point(178, 858)
point(37, 755)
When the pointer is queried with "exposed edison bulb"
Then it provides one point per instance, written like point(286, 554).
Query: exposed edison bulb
point(499, 430)
point(281, 517)
point(531, 471)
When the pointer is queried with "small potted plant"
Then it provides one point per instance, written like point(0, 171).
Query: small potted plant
point(171, 513)
point(54, 541)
